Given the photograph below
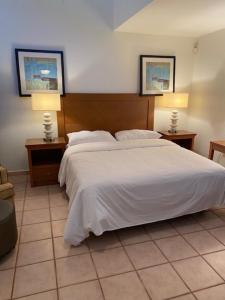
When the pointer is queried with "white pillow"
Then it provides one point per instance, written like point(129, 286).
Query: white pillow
point(85, 136)
point(136, 134)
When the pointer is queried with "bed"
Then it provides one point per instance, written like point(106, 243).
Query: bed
point(112, 185)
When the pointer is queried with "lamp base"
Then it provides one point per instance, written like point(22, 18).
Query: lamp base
point(172, 131)
point(174, 120)
point(49, 140)
point(47, 127)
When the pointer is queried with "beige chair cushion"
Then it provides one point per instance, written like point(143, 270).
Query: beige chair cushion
point(6, 190)
point(3, 175)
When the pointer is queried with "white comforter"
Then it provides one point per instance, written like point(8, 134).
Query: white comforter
point(120, 184)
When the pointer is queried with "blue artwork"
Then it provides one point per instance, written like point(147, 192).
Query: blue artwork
point(40, 73)
point(157, 76)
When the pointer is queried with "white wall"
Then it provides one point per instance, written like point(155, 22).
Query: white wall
point(96, 60)
point(207, 104)
point(125, 9)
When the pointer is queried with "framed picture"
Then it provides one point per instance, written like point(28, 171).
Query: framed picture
point(157, 74)
point(39, 71)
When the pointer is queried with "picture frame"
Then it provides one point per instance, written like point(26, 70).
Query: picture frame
point(157, 74)
point(39, 71)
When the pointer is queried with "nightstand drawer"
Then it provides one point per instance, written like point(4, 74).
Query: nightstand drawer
point(45, 175)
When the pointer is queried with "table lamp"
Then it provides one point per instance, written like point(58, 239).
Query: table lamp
point(173, 100)
point(46, 102)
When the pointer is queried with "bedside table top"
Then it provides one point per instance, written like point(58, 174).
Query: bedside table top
point(41, 142)
point(219, 143)
point(179, 133)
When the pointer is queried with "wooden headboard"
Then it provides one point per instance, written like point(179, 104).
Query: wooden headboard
point(111, 112)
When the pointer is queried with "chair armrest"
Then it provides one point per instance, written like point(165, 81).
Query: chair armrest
point(3, 175)
point(7, 191)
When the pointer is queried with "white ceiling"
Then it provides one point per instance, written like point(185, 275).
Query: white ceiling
point(190, 18)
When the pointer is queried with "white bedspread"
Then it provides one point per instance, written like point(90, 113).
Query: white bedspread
point(120, 184)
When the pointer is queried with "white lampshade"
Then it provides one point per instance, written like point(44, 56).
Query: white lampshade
point(46, 102)
point(176, 100)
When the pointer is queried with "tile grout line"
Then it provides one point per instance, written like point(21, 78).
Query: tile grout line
point(35, 263)
point(98, 278)
point(202, 255)
point(165, 263)
point(133, 243)
point(39, 240)
point(177, 297)
point(18, 241)
point(204, 260)
point(211, 234)
point(53, 248)
point(214, 227)
point(136, 272)
point(51, 238)
point(108, 276)
point(168, 262)
point(85, 253)
point(44, 207)
point(176, 260)
point(171, 262)
point(116, 275)
point(43, 221)
point(33, 294)
point(36, 223)
point(119, 246)
point(195, 219)
point(199, 255)
point(209, 287)
point(208, 230)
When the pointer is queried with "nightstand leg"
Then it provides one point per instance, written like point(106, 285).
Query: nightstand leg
point(211, 151)
point(192, 144)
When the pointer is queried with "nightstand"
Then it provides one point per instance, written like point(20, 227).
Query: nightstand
point(181, 137)
point(44, 160)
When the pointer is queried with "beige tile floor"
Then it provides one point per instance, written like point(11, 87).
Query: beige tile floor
point(181, 259)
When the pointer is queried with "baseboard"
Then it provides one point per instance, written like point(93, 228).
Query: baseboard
point(15, 173)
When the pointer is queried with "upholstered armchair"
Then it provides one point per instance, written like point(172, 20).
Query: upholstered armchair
point(6, 188)
point(8, 228)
